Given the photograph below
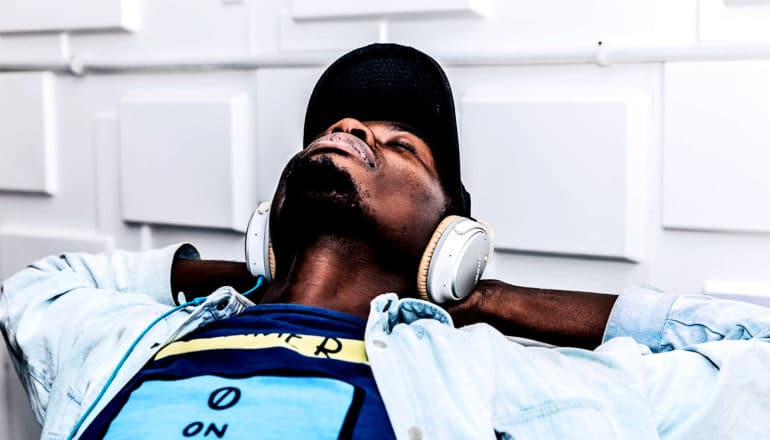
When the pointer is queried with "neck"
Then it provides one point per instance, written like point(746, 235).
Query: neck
point(337, 274)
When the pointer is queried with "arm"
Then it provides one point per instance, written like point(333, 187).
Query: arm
point(661, 321)
point(665, 322)
point(44, 307)
point(200, 277)
point(555, 316)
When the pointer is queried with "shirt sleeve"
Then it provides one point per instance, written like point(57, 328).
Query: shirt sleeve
point(665, 322)
point(40, 305)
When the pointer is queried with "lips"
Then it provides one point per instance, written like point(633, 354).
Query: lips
point(343, 142)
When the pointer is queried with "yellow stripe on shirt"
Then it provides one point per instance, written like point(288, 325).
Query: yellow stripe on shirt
point(341, 349)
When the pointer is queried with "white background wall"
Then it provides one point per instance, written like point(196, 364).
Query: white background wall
point(643, 160)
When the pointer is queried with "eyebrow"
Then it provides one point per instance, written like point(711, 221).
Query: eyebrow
point(397, 126)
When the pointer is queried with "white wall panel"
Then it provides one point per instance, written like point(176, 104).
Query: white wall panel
point(211, 244)
point(185, 159)
point(756, 293)
point(53, 15)
point(18, 422)
point(314, 35)
point(109, 220)
point(734, 20)
point(686, 261)
point(522, 25)
point(352, 9)
point(33, 46)
point(283, 96)
point(565, 272)
point(746, 2)
point(716, 146)
point(6, 372)
point(73, 204)
point(22, 424)
point(180, 27)
point(20, 246)
point(27, 132)
point(557, 174)
point(675, 22)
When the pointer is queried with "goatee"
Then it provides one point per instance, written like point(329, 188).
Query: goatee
point(322, 199)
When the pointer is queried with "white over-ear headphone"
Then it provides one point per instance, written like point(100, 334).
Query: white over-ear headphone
point(259, 250)
point(449, 269)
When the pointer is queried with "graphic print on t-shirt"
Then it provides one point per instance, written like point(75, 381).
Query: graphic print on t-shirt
point(325, 347)
point(264, 407)
point(277, 371)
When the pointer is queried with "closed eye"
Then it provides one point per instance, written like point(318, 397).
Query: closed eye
point(404, 145)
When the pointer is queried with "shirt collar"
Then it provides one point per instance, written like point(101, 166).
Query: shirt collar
point(405, 311)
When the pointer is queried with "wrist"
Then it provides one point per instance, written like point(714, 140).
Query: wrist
point(201, 277)
point(501, 306)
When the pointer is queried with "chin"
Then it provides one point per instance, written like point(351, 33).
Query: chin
point(321, 198)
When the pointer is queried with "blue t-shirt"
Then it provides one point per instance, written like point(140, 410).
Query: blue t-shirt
point(277, 371)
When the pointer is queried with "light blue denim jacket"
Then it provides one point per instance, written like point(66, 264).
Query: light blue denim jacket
point(670, 367)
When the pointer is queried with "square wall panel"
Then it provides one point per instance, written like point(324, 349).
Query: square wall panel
point(351, 9)
point(734, 20)
point(530, 26)
point(56, 15)
point(755, 293)
point(715, 147)
point(283, 95)
point(673, 22)
point(324, 35)
point(185, 159)
point(22, 246)
point(559, 172)
point(746, 2)
point(27, 132)
point(182, 28)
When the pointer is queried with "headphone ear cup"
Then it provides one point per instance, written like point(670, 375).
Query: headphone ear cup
point(271, 259)
point(427, 256)
point(260, 258)
point(454, 260)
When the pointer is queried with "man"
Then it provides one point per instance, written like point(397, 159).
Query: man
point(328, 354)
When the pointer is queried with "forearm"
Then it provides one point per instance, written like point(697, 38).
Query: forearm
point(201, 277)
point(45, 307)
point(558, 317)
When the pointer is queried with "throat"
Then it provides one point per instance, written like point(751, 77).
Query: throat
point(338, 274)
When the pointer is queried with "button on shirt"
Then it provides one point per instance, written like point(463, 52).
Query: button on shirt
point(670, 367)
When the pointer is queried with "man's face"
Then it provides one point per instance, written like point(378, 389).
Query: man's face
point(373, 180)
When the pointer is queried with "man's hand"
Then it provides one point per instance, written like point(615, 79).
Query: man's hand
point(558, 317)
point(473, 308)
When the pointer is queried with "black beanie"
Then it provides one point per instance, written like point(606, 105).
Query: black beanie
point(390, 82)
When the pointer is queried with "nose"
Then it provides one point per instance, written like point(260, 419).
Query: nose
point(355, 127)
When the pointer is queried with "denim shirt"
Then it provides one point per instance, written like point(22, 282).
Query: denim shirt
point(670, 367)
